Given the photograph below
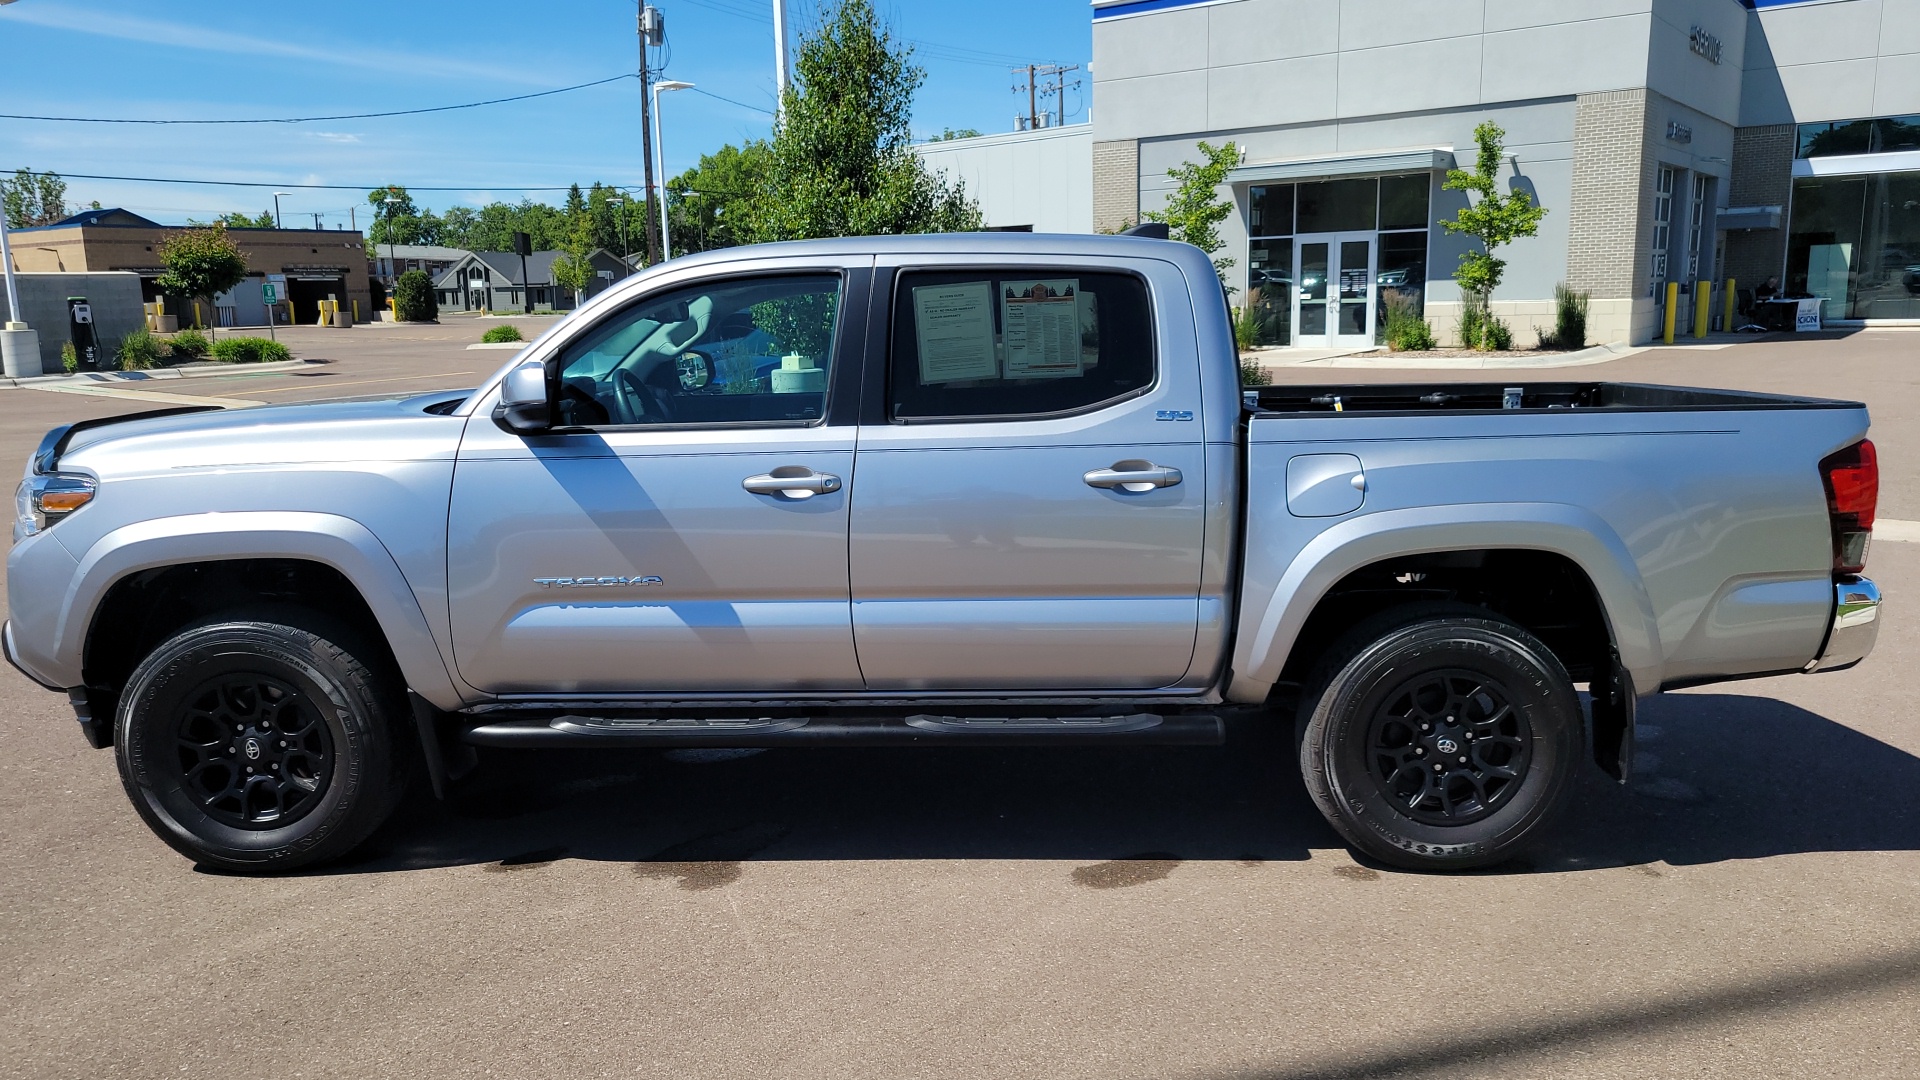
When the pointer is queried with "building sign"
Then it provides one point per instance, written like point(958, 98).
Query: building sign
point(1679, 132)
point(1704, 44)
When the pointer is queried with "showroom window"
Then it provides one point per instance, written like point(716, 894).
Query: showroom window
point(1880, 135)
point(1394, 208)
point(1854, 241)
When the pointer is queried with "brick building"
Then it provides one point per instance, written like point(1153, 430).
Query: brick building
point(319, 264)
point(1669, 140)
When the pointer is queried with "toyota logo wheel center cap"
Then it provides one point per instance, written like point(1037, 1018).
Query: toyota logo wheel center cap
point(1443, 744)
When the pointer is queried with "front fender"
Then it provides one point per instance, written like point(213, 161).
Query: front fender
point(1278, 607)
point(339, 542)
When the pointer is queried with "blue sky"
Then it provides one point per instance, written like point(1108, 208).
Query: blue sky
point(223, 58)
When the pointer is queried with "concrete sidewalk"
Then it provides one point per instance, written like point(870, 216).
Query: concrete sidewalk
point(81, 379)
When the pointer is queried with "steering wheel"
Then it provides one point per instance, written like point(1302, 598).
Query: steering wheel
point(635, 400)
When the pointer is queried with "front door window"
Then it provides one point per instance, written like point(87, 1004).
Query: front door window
point(1336, 293)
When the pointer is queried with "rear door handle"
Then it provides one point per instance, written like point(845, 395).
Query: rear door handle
point(1135, 476)
point(792, 482)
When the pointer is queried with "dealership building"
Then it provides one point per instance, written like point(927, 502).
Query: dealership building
point(1669, 140)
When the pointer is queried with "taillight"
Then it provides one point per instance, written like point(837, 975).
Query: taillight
point(1852, 477)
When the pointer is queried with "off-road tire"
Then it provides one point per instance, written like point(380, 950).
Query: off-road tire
point(355, 715)
point(1350, 699)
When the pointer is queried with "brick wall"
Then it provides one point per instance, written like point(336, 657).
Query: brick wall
point(1606, 243)
point(1116, 185)
point(1762, 176)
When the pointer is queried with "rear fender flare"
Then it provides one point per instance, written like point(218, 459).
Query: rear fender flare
point(1269, 633)
point(329, 539)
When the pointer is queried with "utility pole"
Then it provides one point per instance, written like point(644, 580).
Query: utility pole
point(653, 31)
point(276, 207)
point(1036, 88)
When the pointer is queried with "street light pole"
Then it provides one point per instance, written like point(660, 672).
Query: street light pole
point(660, 159)
point(779, 53)
point(276, 208)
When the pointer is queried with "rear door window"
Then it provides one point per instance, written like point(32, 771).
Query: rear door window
point(1013, 344)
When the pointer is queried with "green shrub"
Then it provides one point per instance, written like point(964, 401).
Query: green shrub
point(413, 299)
point(1252, 374)
point(1569, 319)
point(140, 351)
point(189, 344)
point(501, 334)
point(1406, 331)
point(1498, 336)
point(1479, 329)
point(69, 359)
point(249, 350)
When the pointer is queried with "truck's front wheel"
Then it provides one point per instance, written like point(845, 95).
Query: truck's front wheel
point(254, 745)
point(1440, 741)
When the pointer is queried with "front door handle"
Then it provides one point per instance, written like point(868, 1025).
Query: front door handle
point(793, 482)
point(1135, 476)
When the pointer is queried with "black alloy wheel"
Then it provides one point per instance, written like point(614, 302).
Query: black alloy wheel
point(1439, 737)
point(263, 743)
point(1449, 747)
point(254, 751)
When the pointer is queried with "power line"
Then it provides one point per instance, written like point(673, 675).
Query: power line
point(730, 101)
point(306, 187)
point(315, 119)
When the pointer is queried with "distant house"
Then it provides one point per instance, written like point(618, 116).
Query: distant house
point(319, 264)
point(385, 262)
point(491, 281)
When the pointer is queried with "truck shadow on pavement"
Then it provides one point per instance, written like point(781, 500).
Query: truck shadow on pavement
point(1719, 777)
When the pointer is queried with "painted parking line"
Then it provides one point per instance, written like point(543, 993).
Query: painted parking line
point(1906, 532)
point(96, 390)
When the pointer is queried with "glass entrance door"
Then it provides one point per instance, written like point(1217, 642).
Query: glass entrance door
point(1334, 297)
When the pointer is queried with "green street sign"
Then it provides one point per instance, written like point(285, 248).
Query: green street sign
point(269, 294)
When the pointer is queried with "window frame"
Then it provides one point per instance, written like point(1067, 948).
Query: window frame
point(842, 370)
point(880, 344)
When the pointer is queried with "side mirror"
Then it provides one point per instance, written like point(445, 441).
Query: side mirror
point(524, 407)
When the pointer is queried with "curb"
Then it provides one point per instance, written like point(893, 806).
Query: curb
point(184, 371)
point(1596, 354)
point(500, 345)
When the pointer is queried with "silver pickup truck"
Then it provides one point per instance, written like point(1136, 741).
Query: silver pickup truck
point(929, 491)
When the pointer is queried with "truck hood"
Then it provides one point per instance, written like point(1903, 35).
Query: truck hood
point(394, 429)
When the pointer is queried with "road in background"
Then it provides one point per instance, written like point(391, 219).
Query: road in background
point(1748, 906)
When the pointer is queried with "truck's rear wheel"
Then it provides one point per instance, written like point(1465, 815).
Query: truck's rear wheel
point(1439, 741)
point(254, 745)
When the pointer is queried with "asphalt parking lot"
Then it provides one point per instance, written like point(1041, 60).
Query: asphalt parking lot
point(1748, 906)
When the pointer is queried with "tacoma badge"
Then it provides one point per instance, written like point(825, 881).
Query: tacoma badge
point(612, 581)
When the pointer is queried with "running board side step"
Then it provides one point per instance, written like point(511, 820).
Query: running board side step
point(1140, 729)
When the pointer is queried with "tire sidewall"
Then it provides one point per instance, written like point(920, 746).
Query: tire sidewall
point(1334, 749)
point(149, 710)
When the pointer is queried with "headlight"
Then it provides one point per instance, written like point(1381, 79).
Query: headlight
point(41, 500)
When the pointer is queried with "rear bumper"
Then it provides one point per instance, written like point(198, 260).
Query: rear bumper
point(1856, 624)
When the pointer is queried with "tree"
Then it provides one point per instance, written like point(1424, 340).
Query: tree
point(711, 205)
point(1196, 208)
point(1495, 219)
point(573, 268)
point(949, 134)
point(31, 198)
point(240, 219)
point(201, 263)
point(843, 163)
point(413, 299)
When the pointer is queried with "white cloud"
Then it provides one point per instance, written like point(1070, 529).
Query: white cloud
point(335, 136)
point(184, 35)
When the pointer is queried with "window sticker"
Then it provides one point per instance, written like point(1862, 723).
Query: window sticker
point(954, 324)
point(1042, 324)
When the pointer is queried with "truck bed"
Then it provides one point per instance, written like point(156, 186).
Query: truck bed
point(1498, 397)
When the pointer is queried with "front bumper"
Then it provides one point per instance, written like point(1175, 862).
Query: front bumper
point(6, 647)
point(1856, 623)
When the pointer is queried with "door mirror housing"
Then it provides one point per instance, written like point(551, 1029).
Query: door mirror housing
point(525, 406)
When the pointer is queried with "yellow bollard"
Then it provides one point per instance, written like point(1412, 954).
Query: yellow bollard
point(1673, 309)
point(1702, 307)
point(1726, 306)
point(196, 313)
point(356, 313)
